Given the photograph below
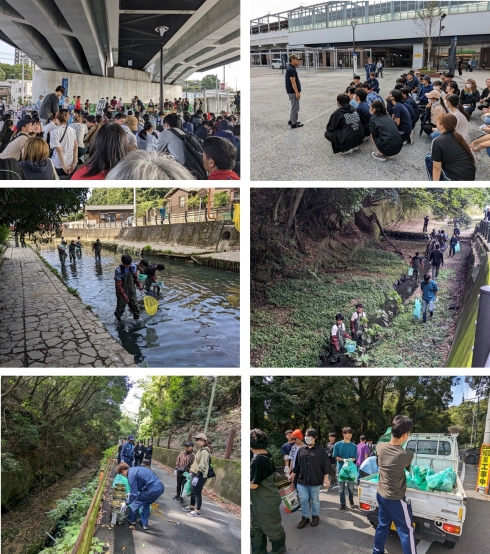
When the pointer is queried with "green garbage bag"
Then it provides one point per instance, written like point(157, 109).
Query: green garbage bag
point(417, 477)
point(121, 479)
point(187, 487)
point(374, 478)
point(386, 437)
point(417, 311)
point(443, 481)
point(348, 472)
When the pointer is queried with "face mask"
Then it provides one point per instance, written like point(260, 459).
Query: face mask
point(309, 440)
point(468, 86)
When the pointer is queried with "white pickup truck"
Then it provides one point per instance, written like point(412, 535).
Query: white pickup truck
point(437, 516)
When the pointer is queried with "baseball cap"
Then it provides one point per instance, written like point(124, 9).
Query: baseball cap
point(433, 94)
point(200, 436)
point(130, 438)
point(189, 443)
point(297, 434)
point(425, 78)
point(22, 123)
point(294, 57)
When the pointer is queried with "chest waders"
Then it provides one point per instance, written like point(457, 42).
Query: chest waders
point(62, 254)
point(130, 291)
point(337, 356)
point(358, 330)
point(265, 518)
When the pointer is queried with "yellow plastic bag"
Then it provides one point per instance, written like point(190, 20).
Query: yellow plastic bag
point(151, 305)
point(236, 217)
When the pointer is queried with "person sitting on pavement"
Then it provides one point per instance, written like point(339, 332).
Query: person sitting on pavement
point(14, 148)
point(384, 133)
point(363, 110)
point(373, 82)
point(344, 128)
point(451, 158)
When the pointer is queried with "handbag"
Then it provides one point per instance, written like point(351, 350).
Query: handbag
point(211, 472)
point(181, 468)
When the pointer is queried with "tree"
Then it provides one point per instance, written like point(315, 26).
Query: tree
point(426, 22)
point(221, 198)
point(15, 71)
point(103, 196)
point(209, 82)
point(2, 75)
point(40, 209)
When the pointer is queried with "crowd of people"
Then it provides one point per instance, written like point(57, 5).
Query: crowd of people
point(127, 142)
point(310, 467)
point(195, 467)
point(390, 123)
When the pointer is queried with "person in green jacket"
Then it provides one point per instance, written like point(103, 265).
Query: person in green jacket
point(265, 515)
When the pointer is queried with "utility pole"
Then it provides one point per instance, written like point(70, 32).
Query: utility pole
point(22, 57)
point(210, 407)
point(486, 436)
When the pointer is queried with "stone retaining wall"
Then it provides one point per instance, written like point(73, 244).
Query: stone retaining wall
point(215, 236)
point(227, 482)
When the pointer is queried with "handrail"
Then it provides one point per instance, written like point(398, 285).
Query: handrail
point(84, 540)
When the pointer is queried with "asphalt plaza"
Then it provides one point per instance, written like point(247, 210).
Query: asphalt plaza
point(279, 153)
point(351, 532)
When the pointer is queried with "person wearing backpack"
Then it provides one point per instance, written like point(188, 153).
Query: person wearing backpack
point(170, 140)
point(199, 474)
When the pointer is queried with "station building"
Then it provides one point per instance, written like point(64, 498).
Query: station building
point(387, 31)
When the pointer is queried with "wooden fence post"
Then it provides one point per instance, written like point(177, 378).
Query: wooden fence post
point(168, 443)
point(229, 443)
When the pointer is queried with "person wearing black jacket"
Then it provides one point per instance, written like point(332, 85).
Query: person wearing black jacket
point(470, 96)
point(485, 97)
point(384, 133)
point(313, 469)
point(333, 462)
point(149, 452)
point(344, 129)
point(139, 452)
point(437, 260)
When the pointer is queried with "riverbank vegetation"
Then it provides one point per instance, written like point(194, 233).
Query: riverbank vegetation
point(316, 252)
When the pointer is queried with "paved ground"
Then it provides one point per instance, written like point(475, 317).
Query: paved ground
point(279, 153)
point(351, 533)
point(43, 325)
point(216, 532)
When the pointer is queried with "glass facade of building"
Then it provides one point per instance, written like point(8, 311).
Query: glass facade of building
point(340, 14)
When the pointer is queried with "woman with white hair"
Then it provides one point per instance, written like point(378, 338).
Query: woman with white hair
point(148, 165)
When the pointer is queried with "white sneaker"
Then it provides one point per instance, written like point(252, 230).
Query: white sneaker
point(379, 157)
point(186, 509)
point(194, 514)
point(356, 148)
point(348, 151)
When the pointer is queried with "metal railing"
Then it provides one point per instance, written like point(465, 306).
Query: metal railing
point(232, 442)
point(84, 540)
point(187, 216)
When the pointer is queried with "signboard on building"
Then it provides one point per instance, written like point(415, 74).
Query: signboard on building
point(483, 481)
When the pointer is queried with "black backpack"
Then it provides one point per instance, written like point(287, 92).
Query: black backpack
point(193, 153)
point(10, 170)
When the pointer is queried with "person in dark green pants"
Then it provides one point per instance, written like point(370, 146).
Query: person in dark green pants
point(265, 515)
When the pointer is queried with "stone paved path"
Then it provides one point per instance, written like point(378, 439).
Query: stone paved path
point(43, 325)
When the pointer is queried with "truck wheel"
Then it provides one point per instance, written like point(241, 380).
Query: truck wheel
point(449, 544)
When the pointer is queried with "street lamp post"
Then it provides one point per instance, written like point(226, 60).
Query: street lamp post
point(441, 28)
point(211, 400)
point(353, 23)
point(162, 30)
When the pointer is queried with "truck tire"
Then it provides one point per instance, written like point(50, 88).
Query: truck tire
point(449, 544)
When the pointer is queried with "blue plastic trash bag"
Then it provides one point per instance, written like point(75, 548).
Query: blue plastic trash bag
point(417, 311)
point(350, 346)
point(348, 472)
point(121, 479)
point(457, 247)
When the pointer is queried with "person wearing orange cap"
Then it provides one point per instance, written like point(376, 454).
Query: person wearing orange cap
point(297, 436)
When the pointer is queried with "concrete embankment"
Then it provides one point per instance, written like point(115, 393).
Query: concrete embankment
point(210, 244)
point(216, 236)
point(44, 325)
point(228, 474)
point(461, 354)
